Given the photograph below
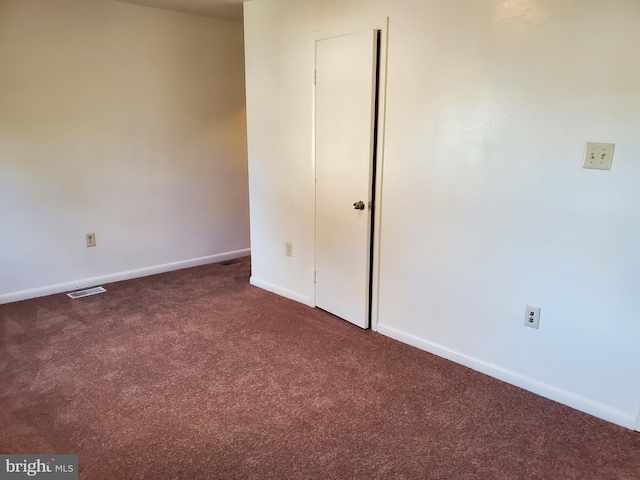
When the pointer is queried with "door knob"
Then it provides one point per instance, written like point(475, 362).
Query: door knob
point(359, 205)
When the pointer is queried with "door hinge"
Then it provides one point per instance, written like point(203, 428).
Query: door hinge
point(314, 276)
point(315, 77)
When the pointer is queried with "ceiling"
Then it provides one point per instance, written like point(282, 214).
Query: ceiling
point(223, 9)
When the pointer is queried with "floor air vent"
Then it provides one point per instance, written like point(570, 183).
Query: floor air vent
point(230, 262)
point(86, 293)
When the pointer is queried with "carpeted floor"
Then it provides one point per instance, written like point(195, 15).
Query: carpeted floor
point(196, 374)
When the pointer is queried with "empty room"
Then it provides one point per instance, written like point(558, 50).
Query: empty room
point(319, 239)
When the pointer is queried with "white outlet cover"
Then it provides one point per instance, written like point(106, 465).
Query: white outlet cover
point(532, 316)
point(598, 156)
point(91, 239)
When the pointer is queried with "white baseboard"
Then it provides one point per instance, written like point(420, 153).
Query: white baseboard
point(283, 292)
point(543, 389)
point(117, 277)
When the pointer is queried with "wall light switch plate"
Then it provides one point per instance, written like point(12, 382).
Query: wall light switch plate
point(598, 156)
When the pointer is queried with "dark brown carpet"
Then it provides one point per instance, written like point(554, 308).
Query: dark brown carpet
point(197, 375)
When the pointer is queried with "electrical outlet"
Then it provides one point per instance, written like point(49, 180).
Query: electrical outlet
point(598, 156)
point(532, 316)
point(289, 249)
point(91, 239)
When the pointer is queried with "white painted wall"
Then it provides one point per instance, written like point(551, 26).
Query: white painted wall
point(485, 206)
point(125, 121)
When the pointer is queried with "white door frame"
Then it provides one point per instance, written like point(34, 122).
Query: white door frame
point(381, 24)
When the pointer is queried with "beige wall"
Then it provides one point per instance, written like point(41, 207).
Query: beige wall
point(125, 121)
point(485, 206)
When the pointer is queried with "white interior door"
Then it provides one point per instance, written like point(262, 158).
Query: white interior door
point(345, 91)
